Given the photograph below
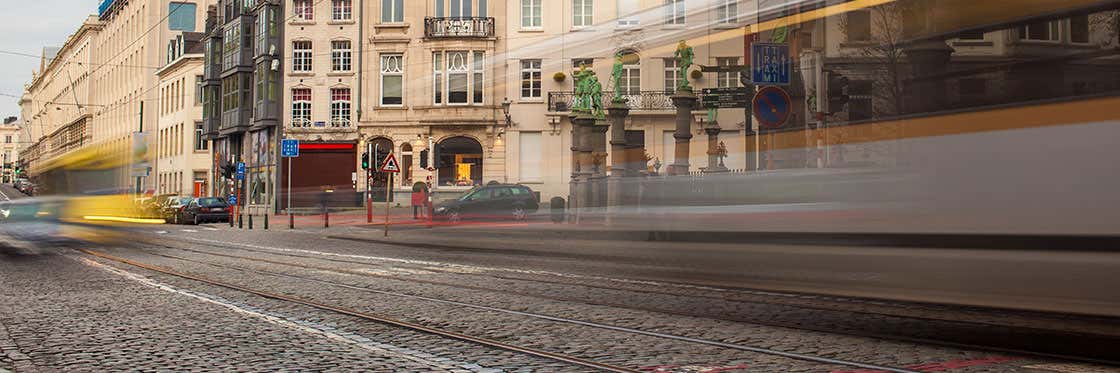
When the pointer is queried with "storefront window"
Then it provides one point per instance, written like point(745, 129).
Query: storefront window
point(460, 162)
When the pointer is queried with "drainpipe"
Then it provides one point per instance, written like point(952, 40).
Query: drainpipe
point(361, 54)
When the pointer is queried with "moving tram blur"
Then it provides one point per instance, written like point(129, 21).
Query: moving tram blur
point(80, 199)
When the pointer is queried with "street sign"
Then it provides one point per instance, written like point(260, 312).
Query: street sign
point(772, 107)
point(232, 200)
point(770, 63)
point(240, 170)
point(289, 148)
point(390, 164)
point(723, 98)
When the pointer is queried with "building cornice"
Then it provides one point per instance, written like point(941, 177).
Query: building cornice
point(181, 61)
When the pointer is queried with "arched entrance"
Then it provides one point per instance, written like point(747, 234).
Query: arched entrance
point(379, 180)
point(459, 160)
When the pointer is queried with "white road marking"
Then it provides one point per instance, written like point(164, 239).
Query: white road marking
point(190, 231)
point(161, 232)
point(308, 327)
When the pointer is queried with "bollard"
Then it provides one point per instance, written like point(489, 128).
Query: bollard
point(291, 220)
point(250, 221)
point(326, 218)
point(240, 221)
point(266, 221)
point(231, 221)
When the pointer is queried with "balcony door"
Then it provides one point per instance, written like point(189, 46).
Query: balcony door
point(460, 8)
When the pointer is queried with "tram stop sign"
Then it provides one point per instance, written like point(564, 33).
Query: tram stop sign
point(772, 107)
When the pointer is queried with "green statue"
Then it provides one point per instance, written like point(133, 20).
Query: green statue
point(583, 90)
point(713, 115)
point(684, 57)
point(616, 78)
point(595, 95)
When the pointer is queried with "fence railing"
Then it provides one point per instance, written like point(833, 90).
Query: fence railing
point(644, 100)
point(459, 27)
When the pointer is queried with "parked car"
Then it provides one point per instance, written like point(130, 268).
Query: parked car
point(153, 207)
point(172, 209)
point(509, 201)
point(205, 210)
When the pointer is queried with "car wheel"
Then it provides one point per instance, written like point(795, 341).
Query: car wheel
point(519, 213)
point(454, 216)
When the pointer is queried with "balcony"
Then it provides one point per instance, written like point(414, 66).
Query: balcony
point(458, 27)
point(644, 100)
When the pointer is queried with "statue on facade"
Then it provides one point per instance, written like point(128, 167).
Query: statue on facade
point(713, 115)
point(595, 95)
point(616, 79)
point(583, 91)
point(684, 56)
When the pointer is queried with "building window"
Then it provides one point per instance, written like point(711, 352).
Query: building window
point(180, 16)
point(392, 11)
point(231, 47)
point(1079, 29)
point(199, 142)
point(631, 78)
point(858, 24)
point(726, 79)
point(530, 78)
point(341, 10)
point(197, 90)
point(582, 13)
point(477, 78)
point(674, 12)
point(8, 139)
point(530, 154)
point(301, 107)
point(392, 80)
point(672, 75)
point(727, 11)
point(531, 14)
point(461, 8)
point(1041, 31)
point(860, 102)
point(301, 56)
point(628, 13)
point(340, 55)
point(231, 93)
point(437, 77)
point(457, 75)
point(340, 107)
point(304, 9)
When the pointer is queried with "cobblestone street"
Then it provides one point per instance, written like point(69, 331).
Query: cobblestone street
point(215, 298)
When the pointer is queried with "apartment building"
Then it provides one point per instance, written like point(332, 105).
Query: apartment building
point(100, 88)
point(323, 40)
point(549, 40)
point(10, 131)
point(183, 163)
point(56, 105)
point(241, 95)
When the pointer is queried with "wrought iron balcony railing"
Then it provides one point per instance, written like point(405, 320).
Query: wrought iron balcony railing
point(644, 100)
point(459, 27)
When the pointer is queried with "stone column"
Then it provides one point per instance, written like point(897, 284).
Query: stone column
point(599, 163)
point(582, 167)
point(714, 166)
point(573, 183)
point(617, 113)
point(685, 101)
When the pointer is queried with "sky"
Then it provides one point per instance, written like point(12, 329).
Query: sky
point(26, 26)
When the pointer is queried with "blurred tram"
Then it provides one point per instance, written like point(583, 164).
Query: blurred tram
point(80, 200)
point(962, 151)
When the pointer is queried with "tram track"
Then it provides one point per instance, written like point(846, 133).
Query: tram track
point(556, 319)
point(1027, 341)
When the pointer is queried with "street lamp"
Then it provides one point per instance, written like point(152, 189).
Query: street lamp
point(506, 103)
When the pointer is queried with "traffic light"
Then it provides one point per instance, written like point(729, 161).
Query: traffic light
point(424, 158)
point(365, 160)
point(837, 92)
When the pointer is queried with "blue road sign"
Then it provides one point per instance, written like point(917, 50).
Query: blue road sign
point(289, 148)
point(771, 107)
point(770, 63)
point(232, 199)
point(240, 170)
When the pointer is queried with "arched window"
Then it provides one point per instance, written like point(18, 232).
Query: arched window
point(459, 160)
point(631, 72)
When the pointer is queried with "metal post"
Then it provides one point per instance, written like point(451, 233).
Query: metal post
point(250, 221)
point(371, 150)
point(240, 220)
point(388, 188)
point(326, 217)
point(266, 221)
point(291, 217)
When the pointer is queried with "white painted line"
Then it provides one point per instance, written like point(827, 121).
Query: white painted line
point(161, 232)
point(308, 327)
point(190, 231)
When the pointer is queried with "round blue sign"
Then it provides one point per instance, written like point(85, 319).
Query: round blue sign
point(771, 107)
